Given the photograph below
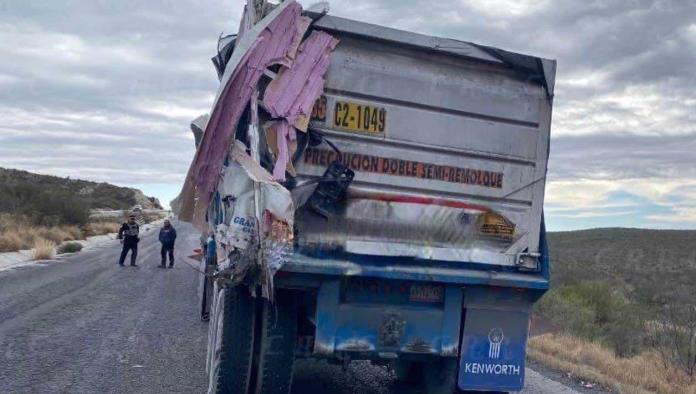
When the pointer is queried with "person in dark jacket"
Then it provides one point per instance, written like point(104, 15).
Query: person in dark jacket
point(167, 236)
point(128, 234)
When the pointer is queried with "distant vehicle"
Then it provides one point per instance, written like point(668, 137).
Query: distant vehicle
point(433, 260)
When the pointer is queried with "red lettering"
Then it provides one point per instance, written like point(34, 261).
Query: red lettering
point(374, 161)
point(393, 166)
point(365, 163)
point(355, 162)
point(385, 165)
point(376, 164)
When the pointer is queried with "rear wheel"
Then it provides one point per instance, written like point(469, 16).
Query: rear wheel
point(232, 342)
point(252, 343)
point(276, 345)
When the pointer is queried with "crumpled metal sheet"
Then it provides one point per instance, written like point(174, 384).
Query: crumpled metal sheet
point(274, 197)
point(250, 214)
point(268, 42)
point(293, 92)
point(198, 126)
point(291, 95)
point(238, 234)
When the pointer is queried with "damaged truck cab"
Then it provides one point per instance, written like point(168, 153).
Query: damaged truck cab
point(415, 236)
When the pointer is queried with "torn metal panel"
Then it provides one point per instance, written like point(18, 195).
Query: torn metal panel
point(267, 43)
point(302, 26)
point(294, 91)
point(291, 95)
point(238, 232)
point(275, 143)
point(237, 183)
point(198, 128)
point(225, 49)
point(284, 136)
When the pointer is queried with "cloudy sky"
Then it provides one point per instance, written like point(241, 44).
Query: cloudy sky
point(105, 89)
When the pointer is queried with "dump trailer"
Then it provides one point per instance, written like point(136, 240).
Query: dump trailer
point(418, 236)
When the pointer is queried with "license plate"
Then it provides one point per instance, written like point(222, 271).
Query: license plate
point(359, 118)
point(426, 293)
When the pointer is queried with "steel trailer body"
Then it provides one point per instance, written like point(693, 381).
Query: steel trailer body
point(441, 112)
point(437, 251)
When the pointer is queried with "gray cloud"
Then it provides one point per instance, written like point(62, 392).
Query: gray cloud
point(621, 156)
point(105, 89)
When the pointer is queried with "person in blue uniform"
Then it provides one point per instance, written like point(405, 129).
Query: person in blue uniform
point(128, 234)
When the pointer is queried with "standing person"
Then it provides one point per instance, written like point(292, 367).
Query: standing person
point(128, 234)
point(167, 236)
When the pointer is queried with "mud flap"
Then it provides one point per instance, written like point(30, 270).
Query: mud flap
point(493, 348)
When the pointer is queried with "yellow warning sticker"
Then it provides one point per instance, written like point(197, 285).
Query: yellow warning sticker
point(491, 223)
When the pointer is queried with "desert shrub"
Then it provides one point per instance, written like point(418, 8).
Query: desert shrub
point(673, 334)
point(587, 360)
point(13, 234)
point(10, 241)
point(59, 234)
point(59, 208)
point(102, 227)
point(570, 314)
point(44, 249)
point(70, 247)
point(45, 206)
point(597, 311)
point(17, 232)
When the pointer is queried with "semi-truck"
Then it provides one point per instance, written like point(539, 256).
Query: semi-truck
point(418, 236)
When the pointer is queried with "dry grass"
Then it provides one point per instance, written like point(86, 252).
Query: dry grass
point(16, 233)
point(44, 249)
point(101, 228)
point(591, 361)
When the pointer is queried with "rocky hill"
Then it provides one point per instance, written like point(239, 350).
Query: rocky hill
point(15, 184)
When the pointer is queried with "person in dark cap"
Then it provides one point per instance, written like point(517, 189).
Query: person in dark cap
point(167, 236)
point(128, 234)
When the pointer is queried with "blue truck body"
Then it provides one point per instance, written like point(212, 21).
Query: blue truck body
point(363, 310)
point(416, 232)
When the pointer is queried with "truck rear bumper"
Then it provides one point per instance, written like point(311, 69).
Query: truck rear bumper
point(484, 327)
point(374, 329)
point(414, 270)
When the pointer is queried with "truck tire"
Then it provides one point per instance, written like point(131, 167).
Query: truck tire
point(231, 358)
point(276, 343)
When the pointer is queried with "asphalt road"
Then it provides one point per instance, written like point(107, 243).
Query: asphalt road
point(85, 325)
